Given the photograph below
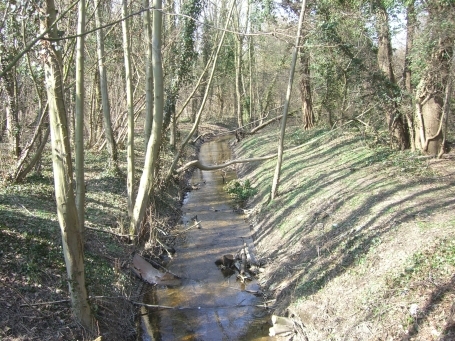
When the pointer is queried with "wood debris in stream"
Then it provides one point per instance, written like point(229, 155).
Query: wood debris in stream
point(145, 271)
point(243, 262)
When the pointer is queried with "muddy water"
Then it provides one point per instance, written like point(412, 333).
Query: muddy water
point(213, 305)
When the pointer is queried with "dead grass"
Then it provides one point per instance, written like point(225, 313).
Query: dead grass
point(348, 219)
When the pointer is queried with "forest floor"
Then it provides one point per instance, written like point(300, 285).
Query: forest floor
point(34, 298)
point(360, 242)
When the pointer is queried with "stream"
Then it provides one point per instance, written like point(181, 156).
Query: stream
point(213, 305)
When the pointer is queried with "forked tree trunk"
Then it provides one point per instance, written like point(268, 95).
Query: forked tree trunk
point(63, 172)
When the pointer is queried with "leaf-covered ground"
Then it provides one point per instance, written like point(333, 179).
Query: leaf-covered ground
point(33, 283)
point(360, 242)
point(34, 298)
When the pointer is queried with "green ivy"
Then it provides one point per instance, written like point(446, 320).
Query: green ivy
point(240, 191)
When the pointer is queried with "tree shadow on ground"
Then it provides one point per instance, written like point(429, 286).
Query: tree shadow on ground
point(362, 203)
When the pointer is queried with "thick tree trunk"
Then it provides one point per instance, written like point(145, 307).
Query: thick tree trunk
point(433, 91)
point(63, 173)
point(396, 126)
point(130, 106)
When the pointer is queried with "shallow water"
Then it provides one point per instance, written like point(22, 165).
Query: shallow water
point(214, 305)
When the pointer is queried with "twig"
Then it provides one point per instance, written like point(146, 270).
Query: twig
point(188, 228)
point(23, 298)
point(110, 232)
point(44, 303)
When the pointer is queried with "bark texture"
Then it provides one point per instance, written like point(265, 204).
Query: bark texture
point(63, 173)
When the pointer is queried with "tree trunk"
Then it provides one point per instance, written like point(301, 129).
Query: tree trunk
point(107, 122)
point(238, 79)
point(153, 147)
point(148, 75)
point(130, 106)
point(79, 113)
point(276, 177)
point(63, 173)
point(12, 114)
point(398, 134)
point(432, 96)
point(410, 29)
point(21, 169)
point(305, 90)
point(204, 100)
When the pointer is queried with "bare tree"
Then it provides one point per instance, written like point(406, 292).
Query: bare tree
point(130, 105)
point(153, 147)
point(63, 171)
point(110, 141)
point(276, 177)
point(79, 113)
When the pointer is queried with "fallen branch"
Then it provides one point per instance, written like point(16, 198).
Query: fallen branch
point(110, 232)
point(201, 166)
point(156, 306)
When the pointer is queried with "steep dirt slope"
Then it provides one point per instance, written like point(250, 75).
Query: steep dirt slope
point(360, 242)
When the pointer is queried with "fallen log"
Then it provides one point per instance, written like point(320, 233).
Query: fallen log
point(145, 271)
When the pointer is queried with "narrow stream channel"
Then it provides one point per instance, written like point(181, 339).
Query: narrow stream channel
point(215, 305)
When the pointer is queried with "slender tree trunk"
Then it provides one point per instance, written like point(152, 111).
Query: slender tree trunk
point(305, 90)
point(63, 173)
point(21, 168)
point(410, 29)
point(204, 100)
point(238, 78)
point(153, 147)
point(276, 177)
point(148, 74)
point(79, 113)
point(130, 106)
point(399, 136)
point(12, 112)
point(107, 122)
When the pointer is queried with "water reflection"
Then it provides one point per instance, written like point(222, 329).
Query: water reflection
point(210, 304)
